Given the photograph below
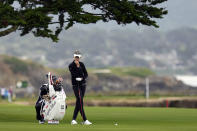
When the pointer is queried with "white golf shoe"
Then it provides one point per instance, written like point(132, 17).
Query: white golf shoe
point(74, 122)
point(87, 123)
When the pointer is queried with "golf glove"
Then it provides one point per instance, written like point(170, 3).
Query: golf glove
point(78, 79)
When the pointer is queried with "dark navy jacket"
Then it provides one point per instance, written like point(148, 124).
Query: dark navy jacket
point(78, 72)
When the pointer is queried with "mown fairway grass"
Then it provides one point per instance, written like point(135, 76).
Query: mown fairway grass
point(22, 118)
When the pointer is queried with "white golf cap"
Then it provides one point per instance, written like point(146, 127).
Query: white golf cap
point(77, 54)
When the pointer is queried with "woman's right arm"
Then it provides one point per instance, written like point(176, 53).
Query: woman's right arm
point(73, 71)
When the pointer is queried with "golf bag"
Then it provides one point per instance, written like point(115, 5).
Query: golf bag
point(55, 106)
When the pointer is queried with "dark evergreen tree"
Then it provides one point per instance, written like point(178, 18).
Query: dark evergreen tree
point(36, 16)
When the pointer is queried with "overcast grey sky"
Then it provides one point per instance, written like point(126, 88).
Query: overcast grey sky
point(182, 13)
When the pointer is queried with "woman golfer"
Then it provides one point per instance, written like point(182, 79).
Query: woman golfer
point(78, 75)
